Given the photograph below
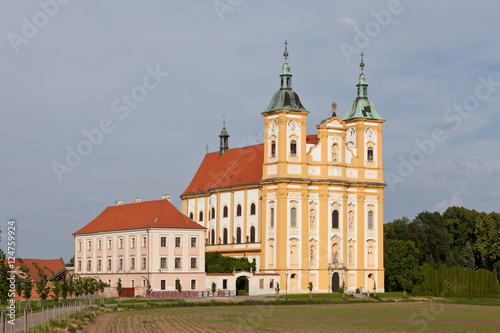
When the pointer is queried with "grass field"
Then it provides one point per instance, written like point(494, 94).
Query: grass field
point(344, 317)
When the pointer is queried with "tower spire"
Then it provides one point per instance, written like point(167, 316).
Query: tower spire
point(224, 138)
point(286, 75)
point(362, 85)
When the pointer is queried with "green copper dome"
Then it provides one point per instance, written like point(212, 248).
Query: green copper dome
point(362, 107)
point(285, 98)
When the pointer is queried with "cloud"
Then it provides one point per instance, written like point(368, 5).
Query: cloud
point(349, 21)
point(95, 198)
point(456, 200)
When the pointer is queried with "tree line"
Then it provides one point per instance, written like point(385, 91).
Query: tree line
point(67, 286)
point(456, 252)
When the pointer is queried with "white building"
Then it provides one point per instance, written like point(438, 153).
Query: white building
point(143, 240)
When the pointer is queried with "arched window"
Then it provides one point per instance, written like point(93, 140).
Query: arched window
point(238, 235)
point(213, 237)
point(201, 217)
point(213, 212)
point(225, 235)
point(252, 209)
point(294, 255)
point(273, 148)
point(370, 219)
point(238, 210)
point(369, 154)
point(252, 234)
point(271, 255)
point(371, 262)
point(225, 213)
point(272, 217)
point(293, 148)
point(335, 219)
point(191, 215)
point(293, 217)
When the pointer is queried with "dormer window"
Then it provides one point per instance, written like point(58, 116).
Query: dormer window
point(293, 148)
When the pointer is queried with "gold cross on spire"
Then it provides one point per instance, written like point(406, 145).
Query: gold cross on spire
point(285, 54)
point(362, 64)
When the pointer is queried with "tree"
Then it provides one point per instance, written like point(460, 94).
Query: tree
point(119, 287)
point(488, 239)
point(310, 287)
point(27, 285)
point(277, 289)
point(395, 230)
point(149, 289)
point(56, 290)
point(4, 279)
point(78, 286)
point(71, 262)
point(65, 287)
point(428, 232)
point(469, 263)
point(101, 285)
point(178, 285)
point(460, 223)
point(217, 263)
point(401, 266)
point(41, 286)
point(214, 287)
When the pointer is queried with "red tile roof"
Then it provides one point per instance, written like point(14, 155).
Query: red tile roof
point(239, 166)
point(54, 265)
point(141, 215)
point(312, 139)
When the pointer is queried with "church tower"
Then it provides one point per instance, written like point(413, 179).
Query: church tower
point(285, 130)
point(363, 158)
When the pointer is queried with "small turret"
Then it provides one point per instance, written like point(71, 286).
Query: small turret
point(224, 139)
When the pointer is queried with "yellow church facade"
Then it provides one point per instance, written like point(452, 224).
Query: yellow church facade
point(308, 207)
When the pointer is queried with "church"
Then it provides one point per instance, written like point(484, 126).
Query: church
point(306, 207)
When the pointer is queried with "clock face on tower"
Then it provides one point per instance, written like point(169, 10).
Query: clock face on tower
point(369, 134)
point(273, 127)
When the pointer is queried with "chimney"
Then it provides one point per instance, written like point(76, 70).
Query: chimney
point(165, 197)
point(136, 200)
point(119, 202)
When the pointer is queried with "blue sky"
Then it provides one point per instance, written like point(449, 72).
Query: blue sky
point(68, 66)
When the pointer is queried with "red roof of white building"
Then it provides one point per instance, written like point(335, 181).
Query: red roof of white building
point(141, 215)
point(238, 166)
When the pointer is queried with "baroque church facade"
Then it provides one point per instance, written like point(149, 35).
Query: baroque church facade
point(306, 207)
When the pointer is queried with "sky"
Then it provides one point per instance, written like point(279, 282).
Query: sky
point(112, 100)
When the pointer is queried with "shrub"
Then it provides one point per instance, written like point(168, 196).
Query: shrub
point(357, 290)
point(341, 290)
point(242, 293)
